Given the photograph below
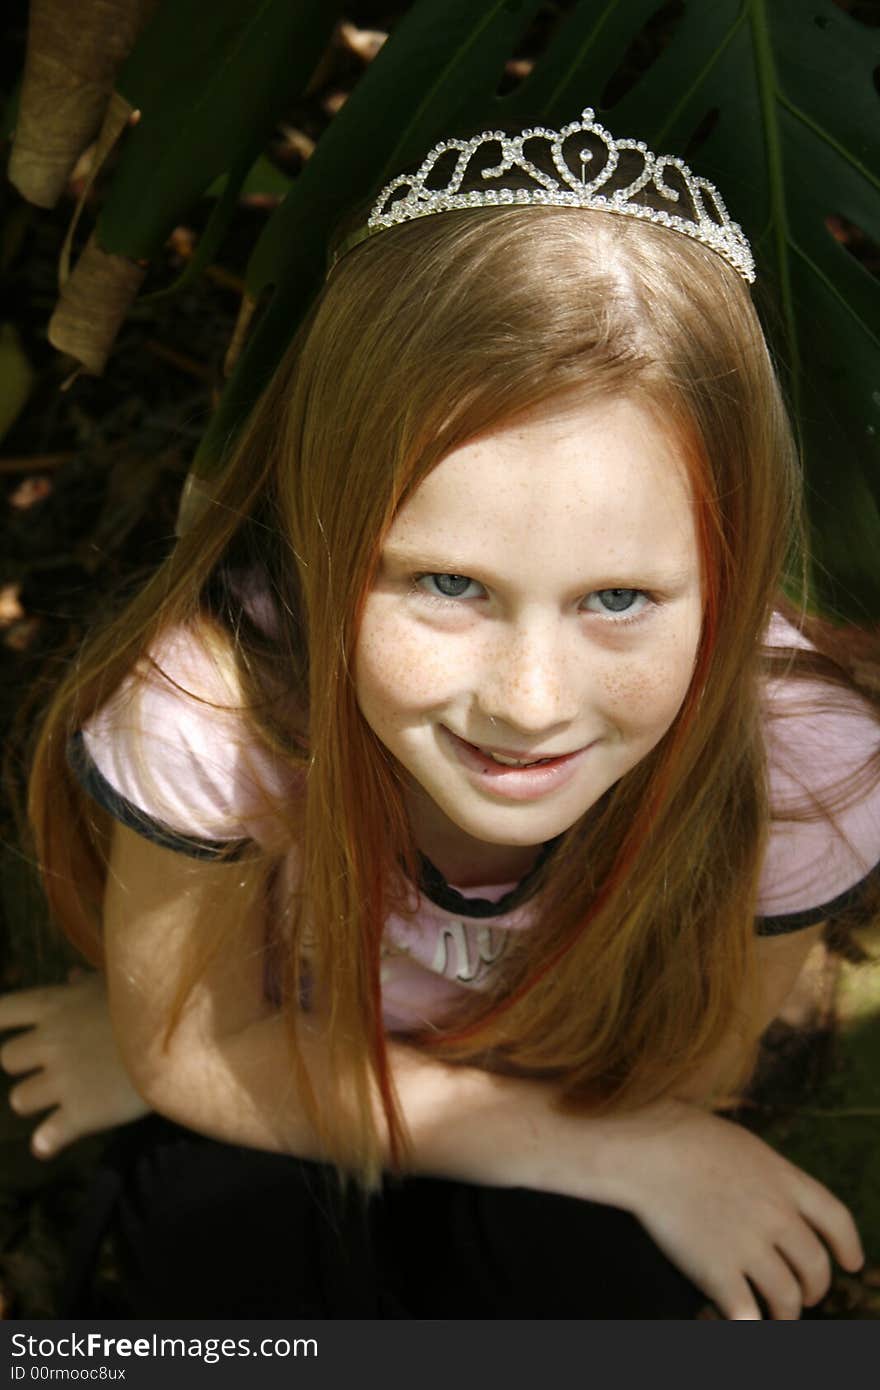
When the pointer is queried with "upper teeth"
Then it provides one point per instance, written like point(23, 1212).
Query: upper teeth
point(511, 762)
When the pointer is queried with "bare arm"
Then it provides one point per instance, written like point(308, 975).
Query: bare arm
point(224, 1067)
point(780, 961)
point(727, 1209)
point(225, 1070)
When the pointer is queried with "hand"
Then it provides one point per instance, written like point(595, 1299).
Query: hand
point(69, 1060)
point(735, 1216)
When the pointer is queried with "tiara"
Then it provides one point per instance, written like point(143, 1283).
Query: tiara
point(587, 164)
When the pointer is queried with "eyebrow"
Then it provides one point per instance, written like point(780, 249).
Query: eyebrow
point(433, 562)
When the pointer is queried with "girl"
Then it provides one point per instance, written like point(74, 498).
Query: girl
point(452, 810)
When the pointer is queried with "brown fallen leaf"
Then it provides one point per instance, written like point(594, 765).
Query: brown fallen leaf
point(10, 604)
point(74, 50)
point(520, 68)
point(29, 492)
point(82, 170)
point(295, 141)
point(182, 243)
point(92, 305)
point(334, 102)
point(364, 43)
point(19, 637)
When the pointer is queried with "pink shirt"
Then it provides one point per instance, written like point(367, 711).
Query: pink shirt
point(187, 775)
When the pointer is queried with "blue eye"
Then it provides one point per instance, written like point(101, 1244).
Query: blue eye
point(445, 585)
point(614, 601)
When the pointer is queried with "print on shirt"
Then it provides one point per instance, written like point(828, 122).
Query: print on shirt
point(475, 948)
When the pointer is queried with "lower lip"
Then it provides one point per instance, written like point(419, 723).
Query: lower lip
point(516, 783)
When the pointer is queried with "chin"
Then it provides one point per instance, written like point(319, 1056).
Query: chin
point(532, 831)
point(525, 840)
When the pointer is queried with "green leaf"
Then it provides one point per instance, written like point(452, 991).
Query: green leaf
point(9, 113)
point(210, 82)
point(230, 188)
point(796, 139)
point(439, 71)
point(16, 377)
point(264, 179)
point(583, 53)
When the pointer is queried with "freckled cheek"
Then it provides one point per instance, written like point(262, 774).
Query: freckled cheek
point(401, 670)
point(644, 695)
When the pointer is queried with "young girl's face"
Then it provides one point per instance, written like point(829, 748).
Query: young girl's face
point(537, 602)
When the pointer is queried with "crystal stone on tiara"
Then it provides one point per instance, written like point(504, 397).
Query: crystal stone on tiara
point(409, 195)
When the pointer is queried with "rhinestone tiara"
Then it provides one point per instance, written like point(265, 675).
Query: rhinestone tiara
point(585, 177)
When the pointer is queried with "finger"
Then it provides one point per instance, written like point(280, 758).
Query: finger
point(56, 1131)
point(34, 1094)
point(775, 1280)
point(834, 1223)
point(736, 1301)
point(48, 1139)
point(809, 1261)
point(24, 1008)
point(20, 1054)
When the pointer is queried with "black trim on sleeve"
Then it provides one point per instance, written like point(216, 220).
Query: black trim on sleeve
point(93, 781)
point(847, 902)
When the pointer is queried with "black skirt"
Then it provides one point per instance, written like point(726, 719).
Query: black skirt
point(203, 1229)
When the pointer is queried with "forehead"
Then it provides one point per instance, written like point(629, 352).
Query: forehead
point(599, 482)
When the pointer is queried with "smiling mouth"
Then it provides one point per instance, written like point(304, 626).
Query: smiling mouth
point(507, 759)
point(501, 775)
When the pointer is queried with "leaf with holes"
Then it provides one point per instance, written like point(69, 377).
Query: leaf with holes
point(780, 96)
point(210, 83)
point(438, 71)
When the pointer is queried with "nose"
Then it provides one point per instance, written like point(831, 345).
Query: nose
point(529, 682)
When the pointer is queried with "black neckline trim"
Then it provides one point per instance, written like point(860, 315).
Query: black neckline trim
point(442, 894)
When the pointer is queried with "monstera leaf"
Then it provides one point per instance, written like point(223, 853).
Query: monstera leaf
point(783, 94)
point(210, 82)
point(440, 68)
point(772, 99)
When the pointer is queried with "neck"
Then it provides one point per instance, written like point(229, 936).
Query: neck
point(464, 861)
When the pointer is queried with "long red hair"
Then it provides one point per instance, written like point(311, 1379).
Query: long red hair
point(640, 958)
